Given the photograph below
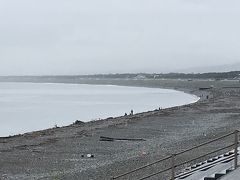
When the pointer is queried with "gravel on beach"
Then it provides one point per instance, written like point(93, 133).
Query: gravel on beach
point(77, 151)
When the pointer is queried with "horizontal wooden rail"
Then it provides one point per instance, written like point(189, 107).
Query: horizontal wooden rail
point(137, 169)
point(199, 157)
point(154, 174)
point(205, 143)
point(179, 153)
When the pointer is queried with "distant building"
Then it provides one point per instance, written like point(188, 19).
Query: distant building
point(156, 76)
point(139, 76)
point(237, 77)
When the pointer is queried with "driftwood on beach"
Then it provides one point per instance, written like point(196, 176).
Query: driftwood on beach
point(104, 138)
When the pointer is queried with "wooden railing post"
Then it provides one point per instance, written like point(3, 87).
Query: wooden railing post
point(236, 149)
point(173, 166)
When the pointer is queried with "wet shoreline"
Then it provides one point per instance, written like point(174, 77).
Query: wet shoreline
point(61, 152)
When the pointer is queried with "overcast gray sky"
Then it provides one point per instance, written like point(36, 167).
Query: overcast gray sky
point(107, 36)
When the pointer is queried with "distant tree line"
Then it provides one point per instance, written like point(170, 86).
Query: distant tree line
point(72, 78)
point(212, 75)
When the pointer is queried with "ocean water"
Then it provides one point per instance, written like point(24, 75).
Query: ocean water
point(26, 107)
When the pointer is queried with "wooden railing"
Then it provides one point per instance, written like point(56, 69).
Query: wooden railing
point(173, 157)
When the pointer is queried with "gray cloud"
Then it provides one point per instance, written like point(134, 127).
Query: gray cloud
point(84, 37)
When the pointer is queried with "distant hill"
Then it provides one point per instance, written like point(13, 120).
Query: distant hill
point(220, 68)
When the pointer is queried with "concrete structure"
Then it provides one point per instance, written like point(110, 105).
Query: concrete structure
point(219, 167)
point(234, 175)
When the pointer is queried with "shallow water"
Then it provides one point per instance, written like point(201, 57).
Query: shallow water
point(26, 107)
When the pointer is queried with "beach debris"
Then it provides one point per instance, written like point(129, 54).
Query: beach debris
point(90, 156)
point(104, 138)
point(77, 122)
point(56, 126)
point(205, 88)
point(109, 118)
point(131, 113)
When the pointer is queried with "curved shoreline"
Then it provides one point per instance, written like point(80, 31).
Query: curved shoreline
point(60, 86)
point(58, 152)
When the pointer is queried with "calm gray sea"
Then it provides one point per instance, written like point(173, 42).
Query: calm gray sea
point(26, 107)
